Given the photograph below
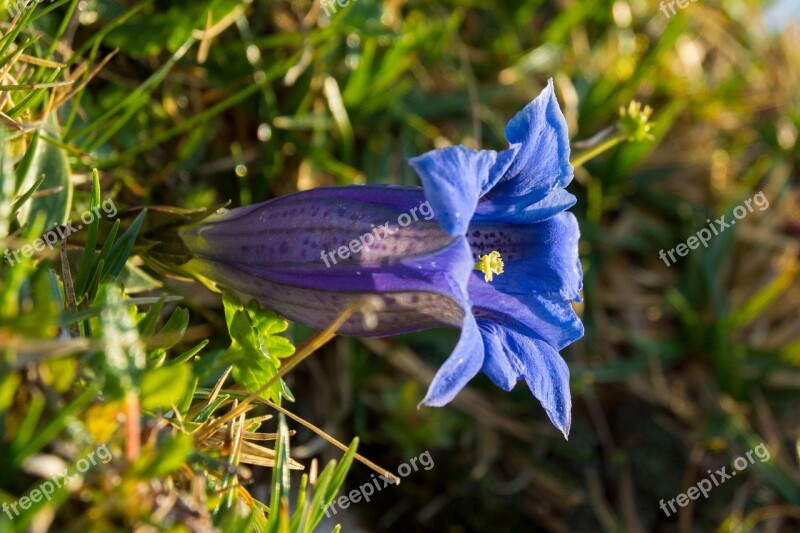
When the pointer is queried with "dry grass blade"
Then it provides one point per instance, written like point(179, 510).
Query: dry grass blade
point(303, 351)
point(248, 452)
point(25, 58)
point(360, 458)
point(13, 124)
point(79, 87)
point(33, 86)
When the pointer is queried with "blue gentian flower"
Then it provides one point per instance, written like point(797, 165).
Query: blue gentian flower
point(485, 245)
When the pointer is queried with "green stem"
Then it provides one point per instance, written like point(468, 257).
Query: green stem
point(593, 152)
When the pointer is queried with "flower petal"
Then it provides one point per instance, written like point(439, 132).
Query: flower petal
point(522, 212)
point(505, 159)
point(550, 319)
point(542, 163)
point(504, 371)
point(453, 179)
point(445, 270)
point(462, 365)
point(513, 354)
point(540, 257)
point(307, 229)
point(419, 292)
point(396, 197)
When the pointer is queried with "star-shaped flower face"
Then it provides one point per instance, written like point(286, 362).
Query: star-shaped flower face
point(485, 245)
point(510, 206)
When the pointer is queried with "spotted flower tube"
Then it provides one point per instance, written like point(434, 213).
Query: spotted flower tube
point(497, 258)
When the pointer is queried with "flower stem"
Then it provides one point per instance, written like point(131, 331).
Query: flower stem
point(581, 158)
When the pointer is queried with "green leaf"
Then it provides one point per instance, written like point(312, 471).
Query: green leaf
point(8, 387)
point(209, 409)
point(327, 486)
point(98, 264)
point(761, 300)
point(56, 188)
point(147, 325)
point(256, 348)
point(23, 199)
point(170, 456)
point(87, 259)
point(24, 166)
point(279, 502)
point(45, 292)
point(16, 278)
point(252, 365)
point(172, 332)
point(185, 356)
point(164, 386)
point(121, 250)
point(7, 180)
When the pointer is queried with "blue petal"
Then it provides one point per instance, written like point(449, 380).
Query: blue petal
point(542, 163)
point(552, 319)
point(515, 353)
point(524, 212)
point(505, 159)
point(504, 371)
point(462, 365)
point(540, 257)
point(453, 179)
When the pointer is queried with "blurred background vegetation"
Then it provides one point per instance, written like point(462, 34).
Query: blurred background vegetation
point(192, 103)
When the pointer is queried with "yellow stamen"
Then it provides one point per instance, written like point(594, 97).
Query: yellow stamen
point(490, 265)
